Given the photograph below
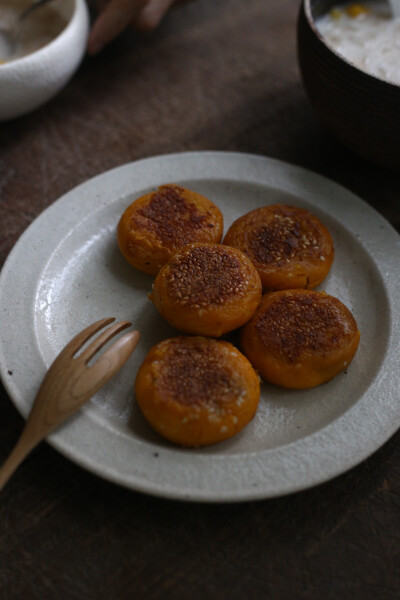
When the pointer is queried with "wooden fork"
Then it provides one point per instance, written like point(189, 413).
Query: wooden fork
point(69, 383)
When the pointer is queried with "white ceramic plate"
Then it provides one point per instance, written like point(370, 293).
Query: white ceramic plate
point(66, 272)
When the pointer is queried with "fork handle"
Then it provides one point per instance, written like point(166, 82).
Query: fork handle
point(49, 410)
point(25, 444)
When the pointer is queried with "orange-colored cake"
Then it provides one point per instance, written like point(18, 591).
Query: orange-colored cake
point(289, 246)
point(154, 227)
point(196, 391)
point(300, 338)
point(207, 289)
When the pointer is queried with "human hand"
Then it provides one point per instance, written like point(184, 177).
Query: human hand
point(116, 15)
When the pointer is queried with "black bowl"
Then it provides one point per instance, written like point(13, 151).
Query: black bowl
point(362, 111)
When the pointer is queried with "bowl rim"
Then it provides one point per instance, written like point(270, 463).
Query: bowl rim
point(79, 9)
point(306, 6)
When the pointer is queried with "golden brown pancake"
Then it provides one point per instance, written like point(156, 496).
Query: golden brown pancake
point(300, 338)
point(196, 391)
point(154, 227)
point(207, 289)
point(289, 246)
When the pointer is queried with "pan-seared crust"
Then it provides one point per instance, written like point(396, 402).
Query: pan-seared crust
point(154, 227)
point(300, 338)
point(289, 246)
point(196, 391)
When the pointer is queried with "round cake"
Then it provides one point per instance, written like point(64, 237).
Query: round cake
point(289, 246)
point(154, 227)
point(207, 289)
point(196, 391)
point(300, 338)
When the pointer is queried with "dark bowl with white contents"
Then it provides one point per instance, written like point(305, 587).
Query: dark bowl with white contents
point(359, 107)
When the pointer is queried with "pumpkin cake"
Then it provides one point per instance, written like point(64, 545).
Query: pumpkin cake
point(207, 289)
point(154, 227)
point(289, 246)
point(300, 338)
point(196, 391)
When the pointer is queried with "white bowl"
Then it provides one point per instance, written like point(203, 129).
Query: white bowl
point(28, 82)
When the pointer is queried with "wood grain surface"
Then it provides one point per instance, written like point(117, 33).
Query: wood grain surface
point(215, 76)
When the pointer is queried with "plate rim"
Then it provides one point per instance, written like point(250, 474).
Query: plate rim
point(387, 426)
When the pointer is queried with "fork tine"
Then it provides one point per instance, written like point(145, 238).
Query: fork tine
point(79, 340)
point(102, 339)
point(107, 365)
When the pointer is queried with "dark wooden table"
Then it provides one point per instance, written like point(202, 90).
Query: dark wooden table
point(222, 76)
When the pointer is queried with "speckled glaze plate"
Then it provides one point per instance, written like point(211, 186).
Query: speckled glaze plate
point(66, 272)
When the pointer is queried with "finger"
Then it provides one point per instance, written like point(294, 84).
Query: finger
point(112, 21)
point(152, 14)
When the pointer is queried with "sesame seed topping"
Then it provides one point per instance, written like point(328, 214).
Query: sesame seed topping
point(213, 419)
point(288, 234)
point(193, 373)
point(207, 275)
point(296, 326)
